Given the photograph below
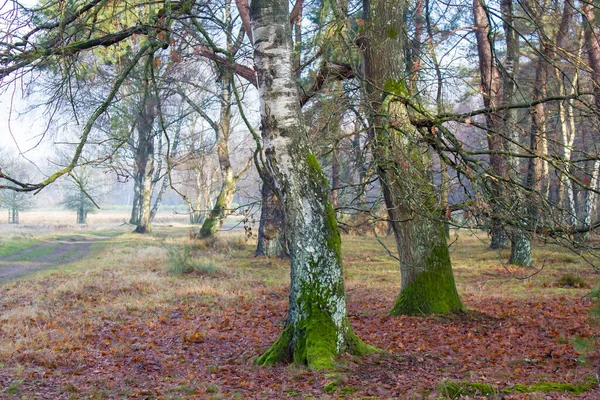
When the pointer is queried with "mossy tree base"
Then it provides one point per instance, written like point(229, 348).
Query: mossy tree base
point(317, 328)
point(314, 347)
point(433, 291)
point(216, 217)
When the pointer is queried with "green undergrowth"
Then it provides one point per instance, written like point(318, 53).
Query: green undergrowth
point(183, 261)
point(455, 390)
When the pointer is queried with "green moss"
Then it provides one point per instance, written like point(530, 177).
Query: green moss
point(212, 221)
point(433, 291)
point(316, 347)
point(330, 387)
point(357, 347)
point(315, 342)
point(334, 241)
point(547, 387)
point(280, 350)
point(397, 87)
point(392, 33)
point(208, 227)
point(454, 390)
point(315, 170)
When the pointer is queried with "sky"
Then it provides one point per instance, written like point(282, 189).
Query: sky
point(20, 130)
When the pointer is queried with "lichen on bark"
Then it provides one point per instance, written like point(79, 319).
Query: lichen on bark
point(317, 328)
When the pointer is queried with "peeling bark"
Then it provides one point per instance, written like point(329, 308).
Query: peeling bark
point(317, 327)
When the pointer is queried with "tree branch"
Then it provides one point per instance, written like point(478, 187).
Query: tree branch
point(329, 71)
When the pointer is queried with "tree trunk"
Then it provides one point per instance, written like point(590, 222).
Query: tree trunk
point(13, 216)
point(81, 214)
point(490, 89)
point(403, 165)
point(216, 217)
point(144, 224)
point(593, 48)
point(165, 182)
point(196, 216)
point(137, 187)
point(536, 176)
point(271, 229)
point(145, 153)
point(335, 172)
point(317, 328)
point(520, 240)
point(565, 136)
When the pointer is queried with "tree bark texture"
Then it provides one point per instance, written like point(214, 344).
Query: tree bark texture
point(317, 327)
point(403, 163)
point(520, 239)
point(144, 159)
point(491, 93)
point(592, 42)
point(271, 229)
point(216, 217)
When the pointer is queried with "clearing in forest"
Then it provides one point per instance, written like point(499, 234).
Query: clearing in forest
point(163, 316)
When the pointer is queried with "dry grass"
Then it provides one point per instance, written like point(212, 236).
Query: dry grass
point(127, 284)
point(129, 276)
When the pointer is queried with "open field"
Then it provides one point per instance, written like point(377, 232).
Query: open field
point(125, 322)
point(59, 217)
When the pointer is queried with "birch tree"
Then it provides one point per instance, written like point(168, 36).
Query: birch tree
point(317, 327)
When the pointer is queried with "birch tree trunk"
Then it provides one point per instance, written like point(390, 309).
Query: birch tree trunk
point(220, 210)
point(317, 327)
point(216, 217)
point(403, 163)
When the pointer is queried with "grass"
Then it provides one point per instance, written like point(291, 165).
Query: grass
point(31, 254)
point(455, 390)
point(191, 302)
point(11, 246)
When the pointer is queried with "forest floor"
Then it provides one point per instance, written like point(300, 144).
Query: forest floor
point(162, 316)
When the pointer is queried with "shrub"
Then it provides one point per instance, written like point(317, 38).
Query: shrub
point(183, 261)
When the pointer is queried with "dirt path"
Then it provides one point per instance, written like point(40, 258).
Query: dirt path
point(50, 254)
